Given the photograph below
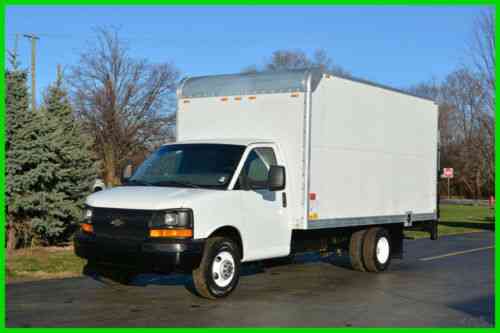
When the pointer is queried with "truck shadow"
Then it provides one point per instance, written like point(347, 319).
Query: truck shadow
point(247, 269)
point(480, 307)
point(487, 225)
point(173, 279)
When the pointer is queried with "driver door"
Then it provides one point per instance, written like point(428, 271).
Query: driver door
point(267, 232)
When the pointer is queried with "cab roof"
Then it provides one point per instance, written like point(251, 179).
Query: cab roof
point(236, 141)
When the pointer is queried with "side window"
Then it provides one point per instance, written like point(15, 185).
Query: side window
point(256, 168)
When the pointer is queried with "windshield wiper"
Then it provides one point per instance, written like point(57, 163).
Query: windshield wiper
point(138, 182)
point(176, 183)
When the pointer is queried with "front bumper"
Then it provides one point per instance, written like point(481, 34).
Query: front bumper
point(148, 256)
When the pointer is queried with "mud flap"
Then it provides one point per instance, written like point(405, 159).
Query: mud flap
point(434, 230)
point(397, 238)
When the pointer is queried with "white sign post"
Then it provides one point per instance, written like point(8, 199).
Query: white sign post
point(448, 173)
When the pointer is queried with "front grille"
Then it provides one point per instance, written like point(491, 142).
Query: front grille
point(122, 224)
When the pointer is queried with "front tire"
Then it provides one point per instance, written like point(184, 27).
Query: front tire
point(219, 270)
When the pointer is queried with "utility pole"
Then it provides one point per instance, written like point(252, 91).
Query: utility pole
point(16, 44)
point(33, 39)
point(59, 73)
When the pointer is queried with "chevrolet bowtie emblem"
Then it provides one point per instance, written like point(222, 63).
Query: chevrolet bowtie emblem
point(117, 223)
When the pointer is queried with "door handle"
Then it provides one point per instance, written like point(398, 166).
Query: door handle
point(283, 199)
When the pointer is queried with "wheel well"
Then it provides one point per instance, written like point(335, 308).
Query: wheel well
point(230, 232)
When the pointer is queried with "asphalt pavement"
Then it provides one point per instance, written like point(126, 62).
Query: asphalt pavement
point(444, 283)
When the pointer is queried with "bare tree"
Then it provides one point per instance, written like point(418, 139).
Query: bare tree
point(126, 104)
point(281, 60)
point(288, 59)
point(466, 144)
point(483, 52)
point(466, 101)
point(323, 61)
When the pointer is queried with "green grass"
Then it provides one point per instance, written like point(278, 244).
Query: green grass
point(45, 263)
point(456, 219)
point(42, 263)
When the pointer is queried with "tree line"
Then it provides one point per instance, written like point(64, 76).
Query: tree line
point(112, 109)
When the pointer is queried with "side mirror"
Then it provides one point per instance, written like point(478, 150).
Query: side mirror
point(127, 173)
point(276, 180)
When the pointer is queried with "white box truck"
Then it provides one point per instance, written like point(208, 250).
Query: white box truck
point(267, 165)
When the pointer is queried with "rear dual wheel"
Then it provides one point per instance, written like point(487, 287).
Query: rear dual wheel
point(370, 250)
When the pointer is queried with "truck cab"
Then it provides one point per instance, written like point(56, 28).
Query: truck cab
point(182, 195)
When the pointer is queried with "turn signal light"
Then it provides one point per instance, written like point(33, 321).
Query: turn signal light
point(87, 227)
point(184, 233)
point(313, 216)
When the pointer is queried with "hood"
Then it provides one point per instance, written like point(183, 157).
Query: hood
point(145, 197)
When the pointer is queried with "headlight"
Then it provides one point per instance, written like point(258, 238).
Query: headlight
point(182, 218)
point(171, 219)
point(87, 226)
point(87, 215)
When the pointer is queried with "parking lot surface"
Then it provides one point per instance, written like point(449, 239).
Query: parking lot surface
point(444, 283)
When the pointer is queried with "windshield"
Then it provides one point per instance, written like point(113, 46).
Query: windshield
point(189, 165)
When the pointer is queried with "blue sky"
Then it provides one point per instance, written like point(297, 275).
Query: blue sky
point(394, 45)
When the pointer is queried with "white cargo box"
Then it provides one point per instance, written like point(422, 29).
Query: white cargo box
point(357, 153)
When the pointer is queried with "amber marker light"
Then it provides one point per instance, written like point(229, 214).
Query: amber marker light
point(175, 233)
point(87, 227)
point(313, 216)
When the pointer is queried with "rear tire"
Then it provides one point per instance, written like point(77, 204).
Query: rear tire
point(219, 270)
point(377, 249)
point(356, 250)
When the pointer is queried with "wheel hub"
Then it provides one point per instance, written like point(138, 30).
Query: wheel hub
point(382, 250)
point(223, 269)
point(227, 269)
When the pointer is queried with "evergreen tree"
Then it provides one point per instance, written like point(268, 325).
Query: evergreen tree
point(66, 169)
point(19, 123)
point(50, 168)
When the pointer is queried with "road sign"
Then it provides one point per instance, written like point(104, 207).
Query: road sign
point(447, 173)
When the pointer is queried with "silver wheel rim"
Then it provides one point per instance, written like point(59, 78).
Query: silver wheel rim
point(382, 250)
point(223, 269)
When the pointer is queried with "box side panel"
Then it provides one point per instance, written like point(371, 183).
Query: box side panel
point(373, 155)
point(264, 117)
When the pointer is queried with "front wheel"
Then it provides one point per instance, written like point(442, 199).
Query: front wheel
point(219, 270)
